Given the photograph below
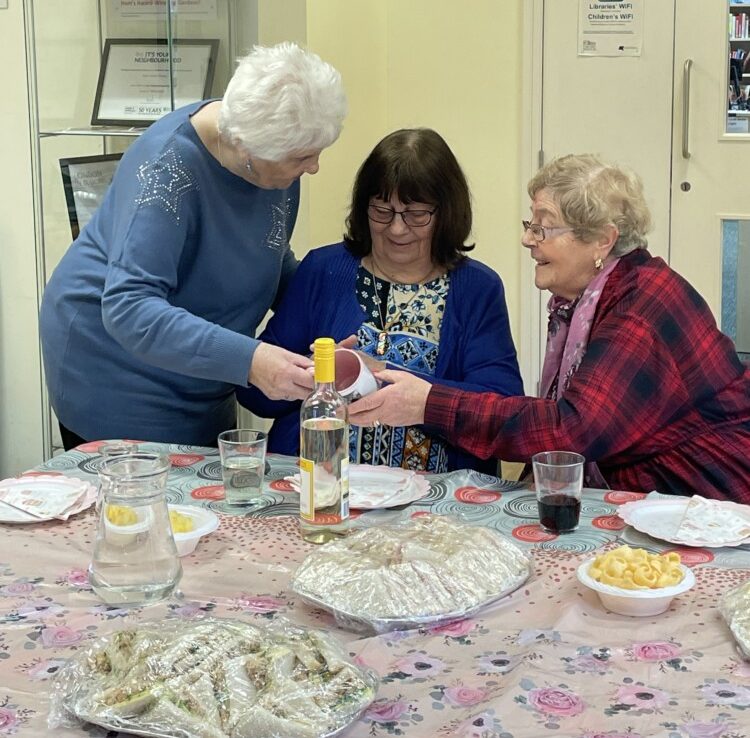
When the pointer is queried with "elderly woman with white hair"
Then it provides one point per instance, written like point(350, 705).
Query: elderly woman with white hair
point(637, 377)
point(148, 322)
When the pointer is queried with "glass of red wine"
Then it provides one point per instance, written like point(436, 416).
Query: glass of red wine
point(558, 477)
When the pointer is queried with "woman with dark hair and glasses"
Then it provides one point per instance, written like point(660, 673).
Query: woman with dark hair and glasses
point(402, 284)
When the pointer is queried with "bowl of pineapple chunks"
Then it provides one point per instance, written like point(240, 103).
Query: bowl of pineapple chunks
point(633, 581)
point(189, 524)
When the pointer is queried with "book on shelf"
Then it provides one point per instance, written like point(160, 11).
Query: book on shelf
point(739, 26)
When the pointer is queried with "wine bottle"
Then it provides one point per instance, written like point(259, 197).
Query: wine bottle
point(324, 453)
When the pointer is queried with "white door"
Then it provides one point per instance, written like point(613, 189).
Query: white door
point(620, 108)
point(710, 166)
point(630, 110)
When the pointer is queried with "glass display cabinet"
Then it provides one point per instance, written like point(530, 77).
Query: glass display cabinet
point(100, 71)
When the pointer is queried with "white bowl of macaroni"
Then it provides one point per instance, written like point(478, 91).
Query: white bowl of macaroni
point(635, 582)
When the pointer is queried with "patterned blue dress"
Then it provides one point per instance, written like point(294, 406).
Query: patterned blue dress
point(403, 328)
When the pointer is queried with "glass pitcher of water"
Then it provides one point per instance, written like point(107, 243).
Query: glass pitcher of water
point(135, 559)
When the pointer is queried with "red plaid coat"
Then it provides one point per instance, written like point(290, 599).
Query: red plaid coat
point(660, 400)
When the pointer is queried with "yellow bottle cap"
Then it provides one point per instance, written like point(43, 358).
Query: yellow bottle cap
point(325, 367)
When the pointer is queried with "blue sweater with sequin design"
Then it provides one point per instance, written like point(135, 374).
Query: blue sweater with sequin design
point(148, 322)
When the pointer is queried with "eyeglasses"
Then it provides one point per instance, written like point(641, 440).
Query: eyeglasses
point(412, 218)
point(541, 232)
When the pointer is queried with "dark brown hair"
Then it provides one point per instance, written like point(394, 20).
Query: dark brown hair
point(415, 165)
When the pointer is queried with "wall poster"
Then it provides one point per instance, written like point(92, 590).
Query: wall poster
point(610, 28)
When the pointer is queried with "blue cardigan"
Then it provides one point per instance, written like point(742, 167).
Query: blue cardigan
point(476, 348)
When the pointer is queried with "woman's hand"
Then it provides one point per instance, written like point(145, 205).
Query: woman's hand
point(280, 374)
point(400, 402)
point(350, 342)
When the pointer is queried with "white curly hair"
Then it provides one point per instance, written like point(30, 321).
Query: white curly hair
point(281, 100)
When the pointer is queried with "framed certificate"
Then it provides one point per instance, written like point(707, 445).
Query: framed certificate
point(134, 78)
point(85, 179)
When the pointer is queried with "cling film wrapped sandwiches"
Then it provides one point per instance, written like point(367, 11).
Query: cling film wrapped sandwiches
point(735, 609)
point(424, 570)
point(213, 679)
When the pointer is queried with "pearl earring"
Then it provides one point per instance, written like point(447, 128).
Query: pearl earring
point(249, 167)
point(599, 264)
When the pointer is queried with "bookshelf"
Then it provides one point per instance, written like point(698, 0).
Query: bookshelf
point(739, 55)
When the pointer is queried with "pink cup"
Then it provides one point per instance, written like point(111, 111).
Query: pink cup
point(353, 378)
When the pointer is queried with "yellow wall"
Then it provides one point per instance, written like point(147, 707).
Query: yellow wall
point(20, 365)
point(455, 67)
point(427, 63)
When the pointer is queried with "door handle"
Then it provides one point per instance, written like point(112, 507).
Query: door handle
point(686, 69)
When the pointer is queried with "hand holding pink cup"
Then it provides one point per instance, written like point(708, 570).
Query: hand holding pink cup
point(353, 378)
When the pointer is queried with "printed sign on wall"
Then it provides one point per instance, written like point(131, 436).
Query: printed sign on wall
point(610, 28)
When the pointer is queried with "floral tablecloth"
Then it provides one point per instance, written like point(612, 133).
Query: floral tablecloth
point(546, 661)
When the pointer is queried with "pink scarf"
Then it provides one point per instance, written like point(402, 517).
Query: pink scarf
point(567, 339)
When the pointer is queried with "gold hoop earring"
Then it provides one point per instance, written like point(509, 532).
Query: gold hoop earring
point(599, 264)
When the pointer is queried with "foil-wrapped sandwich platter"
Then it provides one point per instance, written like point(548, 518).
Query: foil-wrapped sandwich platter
point(425, 571)
point(735, 608)
point(214, 678)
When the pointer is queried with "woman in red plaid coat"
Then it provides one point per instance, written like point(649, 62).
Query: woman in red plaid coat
point(637, 376)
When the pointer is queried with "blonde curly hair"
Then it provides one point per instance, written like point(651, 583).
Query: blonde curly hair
point(592, 194)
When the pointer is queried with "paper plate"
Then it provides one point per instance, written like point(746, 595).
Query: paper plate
point(48, 487)
point(377, 487)
point(661, 519)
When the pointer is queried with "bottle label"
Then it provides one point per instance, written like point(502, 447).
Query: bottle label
point(324, 499)
point(307, 489)
point(344, 488)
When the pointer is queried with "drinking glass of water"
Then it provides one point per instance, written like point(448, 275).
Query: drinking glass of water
point(243, 459)
point(558, 477)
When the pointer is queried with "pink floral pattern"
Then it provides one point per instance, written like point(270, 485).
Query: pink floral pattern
point(453, 629)
point(485, 724)
point(499, 662)
point(741, 669)
point(8, 721)
point(588, 661)
point(655, 651)
point(78, 578)
point(260, 604)
point(386, 711)
point(463, 696)
point(699, 729)
point(13, 717)
point(392, 716)
point(60, 636)
point(546, 662)
point(419, 664)
point(722, 692)
point(640, 698)
point(16, 589)
point(32, 610)
point(556, 701)
point(44, 669)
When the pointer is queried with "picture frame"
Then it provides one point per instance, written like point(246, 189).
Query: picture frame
point(85, 181)
point(134, 79)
